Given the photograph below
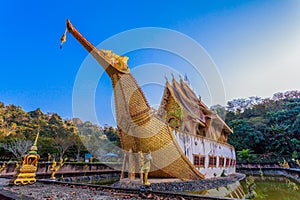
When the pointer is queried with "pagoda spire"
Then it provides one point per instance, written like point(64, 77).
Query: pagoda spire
point(36, 138)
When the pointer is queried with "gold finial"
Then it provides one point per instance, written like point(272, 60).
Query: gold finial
point(186, 79)
point(166, 78)
point(33, 148)
point(36, 139)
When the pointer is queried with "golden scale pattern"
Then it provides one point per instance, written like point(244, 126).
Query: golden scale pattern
point(141, 131)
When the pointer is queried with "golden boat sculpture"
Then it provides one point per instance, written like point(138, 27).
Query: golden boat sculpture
point(185, 138)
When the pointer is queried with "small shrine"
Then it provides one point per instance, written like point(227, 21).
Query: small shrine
point(26, 174)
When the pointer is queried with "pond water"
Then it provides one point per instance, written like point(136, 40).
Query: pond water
point(267, 188)
point(276, 188)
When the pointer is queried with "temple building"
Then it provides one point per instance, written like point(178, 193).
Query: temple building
point(193, 124)
point(186, 113)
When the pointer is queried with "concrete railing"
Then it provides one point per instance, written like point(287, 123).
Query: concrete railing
point(67, 168)
point(287, 172)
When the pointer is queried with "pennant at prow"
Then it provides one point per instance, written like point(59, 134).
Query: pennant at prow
point(63, 38)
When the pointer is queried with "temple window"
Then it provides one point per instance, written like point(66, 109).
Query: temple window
point(202, 161)
point(199, 161)
point(228, 162)
point(196, 160)
point(233, 162)
point(221, 162)
point(212, 161)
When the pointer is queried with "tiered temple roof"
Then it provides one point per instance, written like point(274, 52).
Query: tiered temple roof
point(180, 94)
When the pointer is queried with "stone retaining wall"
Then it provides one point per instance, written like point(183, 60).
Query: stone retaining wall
point(67, 168)
point(191, 185)
point(91, 179)
point(287, 172)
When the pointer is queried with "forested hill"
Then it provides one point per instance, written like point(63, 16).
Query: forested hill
point(267, 130)
point(58, 137)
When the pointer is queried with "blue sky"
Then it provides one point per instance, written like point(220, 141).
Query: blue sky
point(255, 45)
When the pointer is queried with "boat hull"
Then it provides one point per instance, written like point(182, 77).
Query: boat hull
point(169, 157)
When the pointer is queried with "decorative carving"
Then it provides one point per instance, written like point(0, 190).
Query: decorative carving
point(26, 174)
point(54, 168)
point(119, 62)
point(145, 163)
point(2, 167)
point(284, 164)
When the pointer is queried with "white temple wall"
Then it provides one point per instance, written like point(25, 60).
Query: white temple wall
point(191, 145)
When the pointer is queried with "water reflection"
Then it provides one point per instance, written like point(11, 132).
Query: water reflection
point(267, 188)
point(234, 190)
point(275, 188)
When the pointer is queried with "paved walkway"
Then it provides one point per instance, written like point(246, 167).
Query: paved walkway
point(176, 185)
point(64, 191)
point(3, 182)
